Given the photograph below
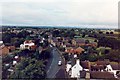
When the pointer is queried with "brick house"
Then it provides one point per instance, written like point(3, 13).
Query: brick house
point(4, 50)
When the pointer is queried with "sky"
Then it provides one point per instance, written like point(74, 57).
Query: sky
point(93, 13)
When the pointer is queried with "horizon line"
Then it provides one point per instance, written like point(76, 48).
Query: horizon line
point(66, 26)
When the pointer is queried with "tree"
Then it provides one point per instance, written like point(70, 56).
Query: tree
point(87, 41)
point(6, 38)
point(84, 56)
point(24, 53)
point(114, 55)
point(18, 42)
point(109, 42)
point(28, 38)
point(45, 54)
point(83, 35)
point(92, 57)
point(23, 34)
point(56, 33)
point(107, 32)
point(66, 56)
point(100, 32)
point(95, 40)
point(29, 68)
point(7, 58)
point(111, 32)
point(45, 36)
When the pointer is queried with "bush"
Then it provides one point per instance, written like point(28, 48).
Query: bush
point(92, 57)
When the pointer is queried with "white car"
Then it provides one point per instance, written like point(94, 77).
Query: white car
point(51, 46)
point(59, 63)
point(11, 70)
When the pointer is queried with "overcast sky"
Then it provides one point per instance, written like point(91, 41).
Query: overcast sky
point(59, 12)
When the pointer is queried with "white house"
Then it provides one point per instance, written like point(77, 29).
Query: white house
point(75, 55)
point(76, 69)
point(14, 62)
point(16, 57)
point(27, 44)
point(109, 69)
point(68, 66)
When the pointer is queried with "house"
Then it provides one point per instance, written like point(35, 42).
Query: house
point(81, 42)
point(66, 39)
point(69, 50)
point(103, 67)
point(110, 69)
point(115, 66)
point(93, 44)
point(99, 66)
point(12, 48)
point(79, 50)
point(4, 50)
point(85, 65)
point(73, 42)
point(96, 70)
point(28, 44)
point(53, 41)
point(68, 67)
point(75, 70)
point(78, 42)
point(33, 47)
point(96, 67)
point(74, 50)
point(101, 75)
point(68, 45)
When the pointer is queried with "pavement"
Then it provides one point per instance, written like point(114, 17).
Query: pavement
point(54, 68)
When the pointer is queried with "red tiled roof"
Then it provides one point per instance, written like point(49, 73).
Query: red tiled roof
point(4, 50)
point(74, 50)
point(33, 47)
point(79, 50)
point(28, 41)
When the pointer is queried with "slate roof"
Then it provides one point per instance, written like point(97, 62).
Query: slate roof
point(115, 66)
point(101, 75)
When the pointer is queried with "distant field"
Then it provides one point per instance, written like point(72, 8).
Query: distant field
point(89, 38)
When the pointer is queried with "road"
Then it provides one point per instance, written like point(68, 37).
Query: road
point(0, 67)
point(54, 68)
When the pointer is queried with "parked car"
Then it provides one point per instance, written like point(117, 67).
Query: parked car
point(59, 63)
